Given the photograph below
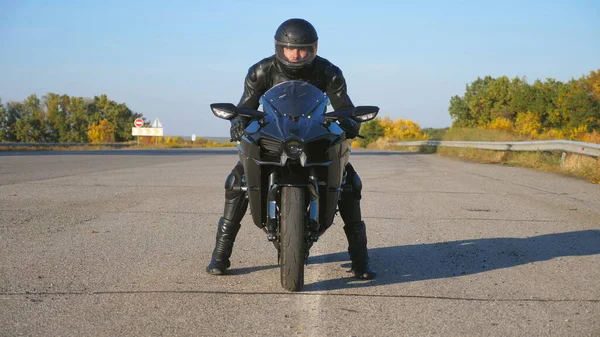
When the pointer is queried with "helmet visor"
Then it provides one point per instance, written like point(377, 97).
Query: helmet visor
point(295, 55)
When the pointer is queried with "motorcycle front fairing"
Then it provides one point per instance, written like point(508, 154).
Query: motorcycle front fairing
point(293, 142)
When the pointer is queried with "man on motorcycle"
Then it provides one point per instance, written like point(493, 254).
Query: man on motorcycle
point(295, 59)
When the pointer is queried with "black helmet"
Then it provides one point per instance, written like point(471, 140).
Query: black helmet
point(295, 44)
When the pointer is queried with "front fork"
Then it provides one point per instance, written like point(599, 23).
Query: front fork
point(271, 227)
point(313, 210)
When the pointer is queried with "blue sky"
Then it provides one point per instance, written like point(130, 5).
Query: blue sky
point(171, 59)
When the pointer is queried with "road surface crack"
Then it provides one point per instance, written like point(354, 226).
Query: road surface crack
point(255, 293)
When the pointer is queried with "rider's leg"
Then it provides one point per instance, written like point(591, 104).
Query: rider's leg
point(229, 224)
point(354, 227)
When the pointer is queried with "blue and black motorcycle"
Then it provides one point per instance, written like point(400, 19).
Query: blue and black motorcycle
point(294, 154)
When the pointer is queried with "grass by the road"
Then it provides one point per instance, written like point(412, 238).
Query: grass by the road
point(571, 164)
point(550, 161)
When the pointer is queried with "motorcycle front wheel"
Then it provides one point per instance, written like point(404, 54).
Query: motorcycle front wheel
point(292, 240)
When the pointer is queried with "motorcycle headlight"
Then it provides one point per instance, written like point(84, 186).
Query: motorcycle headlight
point(293, 149)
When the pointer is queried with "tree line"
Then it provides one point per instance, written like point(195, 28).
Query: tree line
point(512, 108)
point(63, 119)
point(545, 109)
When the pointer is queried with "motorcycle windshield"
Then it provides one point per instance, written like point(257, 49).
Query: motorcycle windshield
point(293, 98)
point(295, 109)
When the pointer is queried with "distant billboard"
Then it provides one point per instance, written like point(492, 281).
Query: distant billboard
point(147, 131)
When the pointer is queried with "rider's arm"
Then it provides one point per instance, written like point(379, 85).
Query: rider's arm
point(338, 95)
point(254, 87)
point(336, 89)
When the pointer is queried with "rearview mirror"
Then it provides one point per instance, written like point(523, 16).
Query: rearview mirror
point(229, 111)
point(365, 113)
point(224, 110)
point(360, 113)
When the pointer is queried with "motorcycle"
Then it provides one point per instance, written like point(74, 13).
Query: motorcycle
point(294, 155)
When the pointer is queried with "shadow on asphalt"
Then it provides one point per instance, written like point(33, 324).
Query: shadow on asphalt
point(410, 263)
point(420, 262)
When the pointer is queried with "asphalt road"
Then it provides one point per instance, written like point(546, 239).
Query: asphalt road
point(115, 244)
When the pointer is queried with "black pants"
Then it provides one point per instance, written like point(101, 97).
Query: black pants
point(236, 205)
point(349, 204)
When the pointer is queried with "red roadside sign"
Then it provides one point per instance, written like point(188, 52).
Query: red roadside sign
point(138, 123)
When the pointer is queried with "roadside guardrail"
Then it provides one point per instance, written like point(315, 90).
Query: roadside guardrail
point(589, 149)
point(63, 144)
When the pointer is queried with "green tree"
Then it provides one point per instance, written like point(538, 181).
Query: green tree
point(3, 122)
point(497, 98)
point(580, 107)
point(593, 84)
point(55, 117)
point(31, 126)
point(60, 118)
point(118, 114)
point(478, 102)
point(77, 120)
point(520, 94)
point(64, 104)
point(371, 131)
point(535, 109)
point(14, 110)
point(459, 111)
point(546, 103)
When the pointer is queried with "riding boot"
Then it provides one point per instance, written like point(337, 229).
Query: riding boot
point(228, 226)
point(226, 233)
point(357, 248)
point(354, 227)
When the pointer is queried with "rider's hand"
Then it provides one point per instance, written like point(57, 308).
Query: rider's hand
point(350, 127)
point(238, 124)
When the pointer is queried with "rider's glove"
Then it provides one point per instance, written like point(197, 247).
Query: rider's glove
point(238, 124)
point(350, 127)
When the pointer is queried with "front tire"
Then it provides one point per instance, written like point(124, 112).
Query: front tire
point(293, 243)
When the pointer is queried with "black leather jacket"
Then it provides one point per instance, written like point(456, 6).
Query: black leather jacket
point(267, 73)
